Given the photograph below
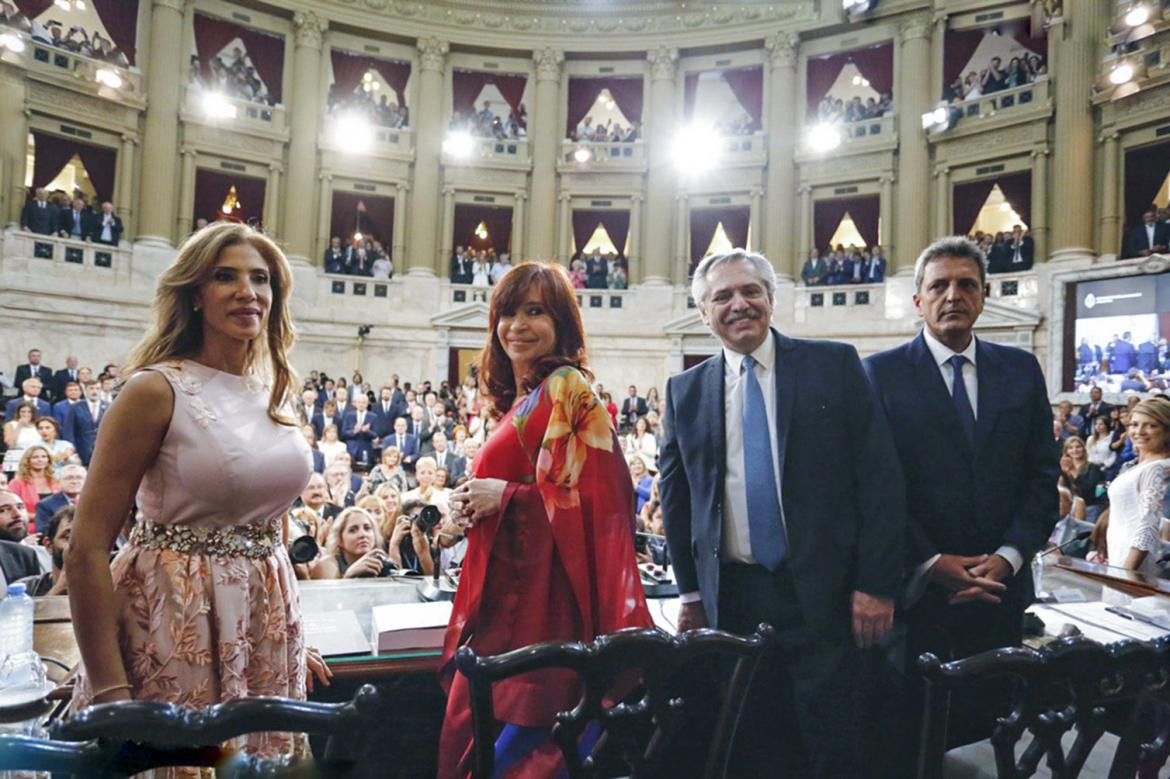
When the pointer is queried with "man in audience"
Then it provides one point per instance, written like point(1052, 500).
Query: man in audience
point(334, 259)
point(1020, 251)
point(406, 443)
point(71, 394)
point(325, 417)
point(84, 419)
point(1150, 237)
point(58, 531)
point(17, 560)
point(106, 382)
point(460, 266)
point(318, 456)
point(445, 458)
point(31, 393)
point(417, 426)
point(341, 398)
point(595, 271)
point(315, 497)
point(973, 431)
point(1070, 422)
point(1096, 407)
point(72, 479)
point(76, 222)
point(391, 405)
point(470, 452)
point(33, 369)
point(106, 226)
point(1124, 355)
point(632, 408)
point(814, 271)
point(65, 375)
point(358, 432)
point(39, 215)
point(874, 271)
point(500, 267)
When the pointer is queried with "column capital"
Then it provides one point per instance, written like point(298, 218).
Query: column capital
point(564, 197)
point(888, 178)
point(325, 178)
point(662, 63)
point(448, 190)
point(756, 192)
point(520, 196)
point(942, 170)
point(402, 186)
point(1041, 152)
point(782, 49)
point(940, 19)
point(804, 189)
point(637, 197)
point(433, 53)
point(1110, 136)
point(129, 138)
point(548, 63)
point(188, 151)
point(914, 27)
point(309, 29)
point(275, 167)
point(174, 5)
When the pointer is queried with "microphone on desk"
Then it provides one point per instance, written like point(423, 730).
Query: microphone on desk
point(1081, 536)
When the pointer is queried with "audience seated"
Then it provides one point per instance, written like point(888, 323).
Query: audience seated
point(77, 40)
point(834, 109)
point(607, 132)
point(236, 77)
point(487, 124)
point(55, 538)
point(362, 103)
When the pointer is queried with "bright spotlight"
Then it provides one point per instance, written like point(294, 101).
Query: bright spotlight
point(1005, 207)
point(582, 154)
point(354, 134)
point(1137, 16)
point(357, 236)
point(1121, 74)
point(108, 77)
point(939, 115)
point(823, 138)
point(458, 145)
point(217, 106)
point(11, 42)
point(696, 148)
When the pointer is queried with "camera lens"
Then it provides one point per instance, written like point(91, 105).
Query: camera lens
point(303, 550)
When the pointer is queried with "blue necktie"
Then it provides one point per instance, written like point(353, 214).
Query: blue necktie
point(765, 529)
point(960, 397)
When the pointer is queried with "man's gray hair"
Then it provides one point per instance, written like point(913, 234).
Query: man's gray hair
point(759, 263)
point(957, 246)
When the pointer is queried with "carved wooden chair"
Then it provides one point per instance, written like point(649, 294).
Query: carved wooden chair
point(94, 742)
point(637, 731)
point(1068, 695)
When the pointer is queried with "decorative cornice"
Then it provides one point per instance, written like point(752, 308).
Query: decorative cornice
point(309, 28)
point(662, 63)
point(433, 53)
point(782, 48)
point(548, 63)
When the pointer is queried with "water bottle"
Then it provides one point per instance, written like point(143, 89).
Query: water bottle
point(16, 622)
point(1038, 575)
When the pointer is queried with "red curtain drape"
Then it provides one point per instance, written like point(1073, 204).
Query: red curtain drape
point(967, 201)
point(375, 222)
point(876, 63)
point(958, 49)
point(1146, 167)
point(1023, 33)
point(497, 219)
point(33, 8)
point(120, 18)
point(748, 86)
point(827, 215)
point(616, 223)
point(52, 153)
point(704, 221)
point(265, 50)
point(212, 187)
point(690, 89)
point(1017, 188)
point(467, 84)
point(348, 69)
point(583, 92)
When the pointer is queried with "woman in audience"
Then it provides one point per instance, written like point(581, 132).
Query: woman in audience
point(19, 434)
point(610, 407)
point(1133, 538)
point(61, 451)
point(550, 553)
point(389, 471)
point(34, 479)
point(458, 439)
point(1098, 445)
point(481, 271)
point(642, 441)
point(1086, 479)
point(408, 547)
point(641, 478)
point(477, 428)
point(330, 445)
point(353, 550)
point(391, 499)
point(376, 511)
point(652, 401)
point(207, 388)
point(427, 491)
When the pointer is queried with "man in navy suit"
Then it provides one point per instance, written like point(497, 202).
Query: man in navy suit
point(874, 271)
point(34, 369)
point(391, 405)
point(325, 417)
point(76, 222)
point(973, 430)
point(72, 396)
point(84, 419)
point(39, 215)
point(358, 432)
point(1150, 237)
point(761, 531)
point(444, 458)
point(334, 259)
point(404, 441)
point(30, 393)
point(72, 480)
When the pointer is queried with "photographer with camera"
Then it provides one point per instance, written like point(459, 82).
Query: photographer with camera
point(353, 549)
point(409, 546)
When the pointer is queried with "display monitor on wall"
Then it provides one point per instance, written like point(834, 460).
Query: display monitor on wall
point(1116, 336)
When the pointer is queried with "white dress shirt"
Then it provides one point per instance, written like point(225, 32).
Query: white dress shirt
point(942, 354)
point(736, 545)
point(1150, 228)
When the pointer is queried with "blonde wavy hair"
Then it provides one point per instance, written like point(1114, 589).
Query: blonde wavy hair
point(1156, 408)
point(24, 470)
point(333, 542)
point(177, 329)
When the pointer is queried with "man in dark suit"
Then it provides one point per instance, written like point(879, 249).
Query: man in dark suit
point(406, 443)
point(632, 408)
point(391, 405)
point(64, 376)
point(76, 222)
point(84, 420)
point(72, 396)
point(1021, 250)
point(1093, 409)
point(760, 531)
point(72, 480)
point(39, 215)
point(874, 271)
point(33, 369)
point(334, 259)
point(325, 417)
point(358, 432)
point(815, 270)
point(973, 430)
point(17, 560)
point(105, 226)
point(30, 393)
point(460, 266)
point(417, 426)
point(1124, 354)
point(1150, 237)
point(445, 458)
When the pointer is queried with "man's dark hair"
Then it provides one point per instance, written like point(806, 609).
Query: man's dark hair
point(65, 513)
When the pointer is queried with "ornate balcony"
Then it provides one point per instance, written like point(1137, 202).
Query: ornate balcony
point(586, 157)
point(978, 114)
point(215, 109)
point(74, 71)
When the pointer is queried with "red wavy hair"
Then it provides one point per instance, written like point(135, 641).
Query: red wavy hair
point(496, 380)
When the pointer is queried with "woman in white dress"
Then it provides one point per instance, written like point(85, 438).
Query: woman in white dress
point(19, 434)
point(1135, 496)
point(330, 445)
point(1099, 444)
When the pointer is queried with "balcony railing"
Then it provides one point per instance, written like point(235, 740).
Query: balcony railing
point(839, 296)
point(384, 141)
point(1018, 289)
point(745, 149)
point(37, 251)
point(490, 151)
point(339, 285)
point(80, 71)
point(963, 113)
point(577, 156)
point(214, 108)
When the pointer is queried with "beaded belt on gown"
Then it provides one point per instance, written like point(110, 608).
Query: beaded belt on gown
point(259, 539)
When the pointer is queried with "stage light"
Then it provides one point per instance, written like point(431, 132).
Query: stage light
point(582, 154)
point(459, 145)
point(69, 5)
point(217, 106)
point(853, 7)
point(1137, 15)
point(696, 148)
point(353, 133)
point(823, 138)
point(1121, 74)
point(940, 115)
point(108, 77)
point(12, 42)
point(860, 81)
point(357, 236)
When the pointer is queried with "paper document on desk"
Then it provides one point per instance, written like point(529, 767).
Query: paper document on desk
point(1095, 622)
point(411, 625)
point(664, 612)
point(335, 633)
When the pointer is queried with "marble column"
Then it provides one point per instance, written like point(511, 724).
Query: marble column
point(680, 268)
point(272, 224)
point(1110, 232)
point(304, 124)
point(565, 229)
point(186, 192)
point(885, 213)
point(660, 178)
point(397, 241)
point(124, 187)
point(160, 136)
point(446, 242)
point(518, 245)
point(911, 229)
point(806, 224)
point(938, 43)
point(942, 202)
point(1077, 46)
point(422, 243)
point(544, 141)
point(779, 227)
point(13, 143)
point(1040, 199)
point(755, 228)
point(634, 258)
point(324, 214)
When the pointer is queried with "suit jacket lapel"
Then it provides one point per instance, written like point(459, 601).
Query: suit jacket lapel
point(713, 409)
point(785, 373)
point(933, 389)
point(990, 393)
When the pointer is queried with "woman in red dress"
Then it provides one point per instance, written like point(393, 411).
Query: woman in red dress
point(550, 552)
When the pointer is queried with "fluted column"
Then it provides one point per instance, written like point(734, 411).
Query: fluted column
point(187, 192)
point(681, 267)
point(942, 202)
point(13, 143)
point(324, 215)
point(779, 228)
point(634, 258)
point(565, 229)
point(272, 199)
point(124, 187)
point(660, 179)
point(1040, 200)
point(518, 245)
point(911, 232)
point(885, 212)
point(160, 136)
point(754, 226)
point(1076, 52)
point(806, 224)
point(544, 140)
point(422, 242)
point(446, 240)
point(1110, 241)
point(938, 45)
point(397, 241)
point(304, 123)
